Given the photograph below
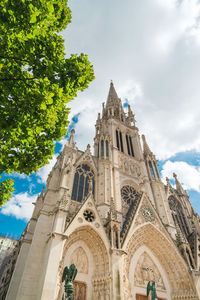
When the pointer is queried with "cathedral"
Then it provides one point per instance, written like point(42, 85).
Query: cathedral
point(110, 214)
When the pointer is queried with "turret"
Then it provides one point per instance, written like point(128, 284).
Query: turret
point(158, 189)
point(151, 161)
point(179, 187)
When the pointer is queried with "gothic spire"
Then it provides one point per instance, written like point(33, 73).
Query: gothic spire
point(178, 185)
point(146, 148)
point(112, 95)
point(71, 142)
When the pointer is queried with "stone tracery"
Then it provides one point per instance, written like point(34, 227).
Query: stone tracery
point(170, 260)
point(100, 276)
point(79, 258)
point(146, 270)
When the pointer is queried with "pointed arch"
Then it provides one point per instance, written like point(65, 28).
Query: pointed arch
point(98, 259)
point(142, 260)
point(174, 266)
point(82, 177)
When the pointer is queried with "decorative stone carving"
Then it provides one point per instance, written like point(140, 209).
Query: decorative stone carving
point(130, 167)
point(164, 251)
point(97, 225)
point(63, 202)
point(89, 215)
point(146, 271)
point(79, 258)
point(90, 204)
point(147, 213)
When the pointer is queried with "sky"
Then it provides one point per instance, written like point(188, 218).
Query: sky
point(150, 49)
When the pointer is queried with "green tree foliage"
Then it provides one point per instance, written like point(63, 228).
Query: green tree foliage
point(36, 81)
point(6, 189)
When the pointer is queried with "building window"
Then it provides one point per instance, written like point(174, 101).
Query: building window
point(121, 142)
point(127, 144)
point(81, 182)
point(151, 169)
point(102, 148)
point(130, 140)
point(129, 194)
point(155, 167)
point(107, 149)
point(190, 259)
point(178, 215)
point(117, 139)
point(98, 150)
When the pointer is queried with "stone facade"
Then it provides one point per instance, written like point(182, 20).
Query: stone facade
point(8, 255)
point(111, 215)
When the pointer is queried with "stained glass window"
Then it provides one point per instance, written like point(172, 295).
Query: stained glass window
point(151, 169)
point(132, 152)
point(117, 139)
point(107, 149)
point(98, 150)
point(129, 194)
point(178, 215)
point(121, 142)
point(155, 167)
point(127, 143)
point(102, 148)
point(81, 182)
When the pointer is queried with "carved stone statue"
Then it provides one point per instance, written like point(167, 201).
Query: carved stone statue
point(69, 275)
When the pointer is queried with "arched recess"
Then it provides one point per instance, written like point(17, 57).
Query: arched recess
point(94, 181)
point(97, 279)
point(173, 265)
point(144, 259)
point(131, 183)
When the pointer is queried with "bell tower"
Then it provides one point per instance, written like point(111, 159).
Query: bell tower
point(119, 154)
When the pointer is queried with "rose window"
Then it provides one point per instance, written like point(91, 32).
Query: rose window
point(89, 215)
point(129, 194)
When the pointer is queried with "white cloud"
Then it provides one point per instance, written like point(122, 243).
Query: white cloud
point(20, 206)
point(188, 175)
point(151, 51)
point(44, 171)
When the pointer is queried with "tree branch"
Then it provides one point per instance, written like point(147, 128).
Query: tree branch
point(17, 79)
point(15, 58)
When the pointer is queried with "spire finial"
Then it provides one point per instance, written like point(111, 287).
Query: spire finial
point(146, 148)
point(71, 139)
point(178, 185)
point(112, 95)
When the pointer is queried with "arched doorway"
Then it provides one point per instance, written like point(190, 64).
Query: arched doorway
point(87, 251)
point(170, 260)
point(145, 267)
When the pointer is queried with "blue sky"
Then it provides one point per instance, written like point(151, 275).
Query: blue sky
point(150, 49)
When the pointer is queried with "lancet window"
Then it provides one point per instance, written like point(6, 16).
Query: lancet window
point(102, 148)
point(129, 145)
point(156, 169)
point(119, 140)
point(82, 178)
point(107, 149)
point(151, 169)
point(178, 215)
